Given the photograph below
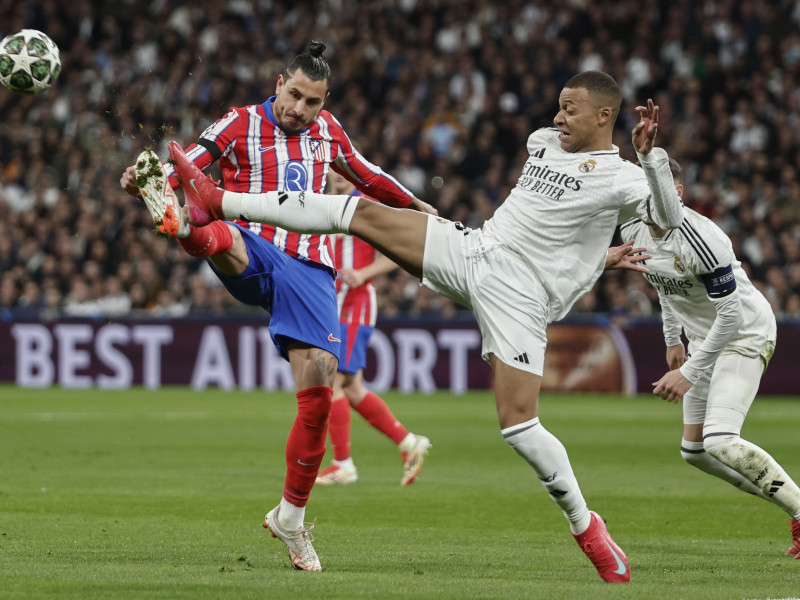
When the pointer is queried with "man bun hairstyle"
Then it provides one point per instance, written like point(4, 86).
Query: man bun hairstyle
point(602, 89)
point(312, 64)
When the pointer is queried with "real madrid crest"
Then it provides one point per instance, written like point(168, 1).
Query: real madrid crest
point(679, 265)
point(588, 166)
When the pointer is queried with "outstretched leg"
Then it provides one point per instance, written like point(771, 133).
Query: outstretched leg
point(397, 233)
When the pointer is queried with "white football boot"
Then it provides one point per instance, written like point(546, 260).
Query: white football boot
point(301, 552)
point(159, 197)
point(413, 459)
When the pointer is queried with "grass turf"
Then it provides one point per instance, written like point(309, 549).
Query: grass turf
point(141, 494)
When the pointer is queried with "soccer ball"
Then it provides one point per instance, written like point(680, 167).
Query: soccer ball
point(29, 62)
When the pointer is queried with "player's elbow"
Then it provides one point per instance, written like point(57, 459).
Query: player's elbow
point(738, 316)
point(732, 312)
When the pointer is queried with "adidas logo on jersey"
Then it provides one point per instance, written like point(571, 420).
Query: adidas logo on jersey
point(523, 358)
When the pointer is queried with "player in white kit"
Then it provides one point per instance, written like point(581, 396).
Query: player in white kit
point(544, 247)
point(705, 293)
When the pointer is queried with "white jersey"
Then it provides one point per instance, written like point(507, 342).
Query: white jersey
point(693, 269)
point(561, 215)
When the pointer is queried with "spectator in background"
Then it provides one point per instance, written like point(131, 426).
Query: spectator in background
point(106, 105)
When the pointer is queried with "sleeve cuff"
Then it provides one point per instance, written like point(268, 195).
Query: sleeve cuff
point(688, 372)
point(655, 155)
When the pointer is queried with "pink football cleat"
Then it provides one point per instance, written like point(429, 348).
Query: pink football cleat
point(795, 549)
point(609, 560)
point(203, 198)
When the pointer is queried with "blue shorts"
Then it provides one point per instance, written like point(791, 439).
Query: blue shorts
point(355, 339)
point(299, 295)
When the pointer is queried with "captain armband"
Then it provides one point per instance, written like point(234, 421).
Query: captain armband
point(211, 147)
point(720, 283)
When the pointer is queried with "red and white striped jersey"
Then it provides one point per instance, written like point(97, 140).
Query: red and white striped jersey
point(256, 155)
point(357, 305)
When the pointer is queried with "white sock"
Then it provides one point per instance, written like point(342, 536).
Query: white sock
point(694, 454)
point(290, 517)
point(347, 464)
point(407, 443)
point(548, 458)
point(301, 212)
point(757, 466)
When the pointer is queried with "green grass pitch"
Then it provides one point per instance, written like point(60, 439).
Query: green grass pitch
point(141, 494)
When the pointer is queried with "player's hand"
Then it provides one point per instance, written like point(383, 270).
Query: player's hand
point(351, 277)
point(423, 207)
point(644, 132)
point(676, 356)
point(627, 257)
point(128, 182)
point(672, 386)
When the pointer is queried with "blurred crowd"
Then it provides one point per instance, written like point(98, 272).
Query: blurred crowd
point(440, 93)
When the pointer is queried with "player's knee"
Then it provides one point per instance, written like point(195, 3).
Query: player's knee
point(693, 457)
point(716, 443)
point(353, 396)
point(315, 413)
point(692, 451)
point(314, 406)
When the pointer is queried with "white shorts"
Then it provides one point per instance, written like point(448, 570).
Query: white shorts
point(509, 303)
point(721, 400)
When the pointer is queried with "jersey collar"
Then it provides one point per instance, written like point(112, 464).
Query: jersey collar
point(614, 150)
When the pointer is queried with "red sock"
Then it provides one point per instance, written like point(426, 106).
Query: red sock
point(377, 414)
point(339, 428)
point(214, 238)
point(306, 445)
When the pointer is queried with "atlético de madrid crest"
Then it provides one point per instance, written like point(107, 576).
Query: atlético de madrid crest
point(588, 166)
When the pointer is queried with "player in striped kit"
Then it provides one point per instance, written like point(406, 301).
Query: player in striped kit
point(288, 143)
point(357, 264)
point(731, 329)
point(543, 248)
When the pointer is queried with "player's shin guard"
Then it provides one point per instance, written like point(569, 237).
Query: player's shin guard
point(694, 454)
point(548, 458)
point(339, 428)
point(377, 413)
point(301, 212)
point(306, 445)
point(758, 466)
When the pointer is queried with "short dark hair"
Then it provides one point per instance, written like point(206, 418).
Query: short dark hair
point(677, 170)
point(312, 63)
point(600, 86)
